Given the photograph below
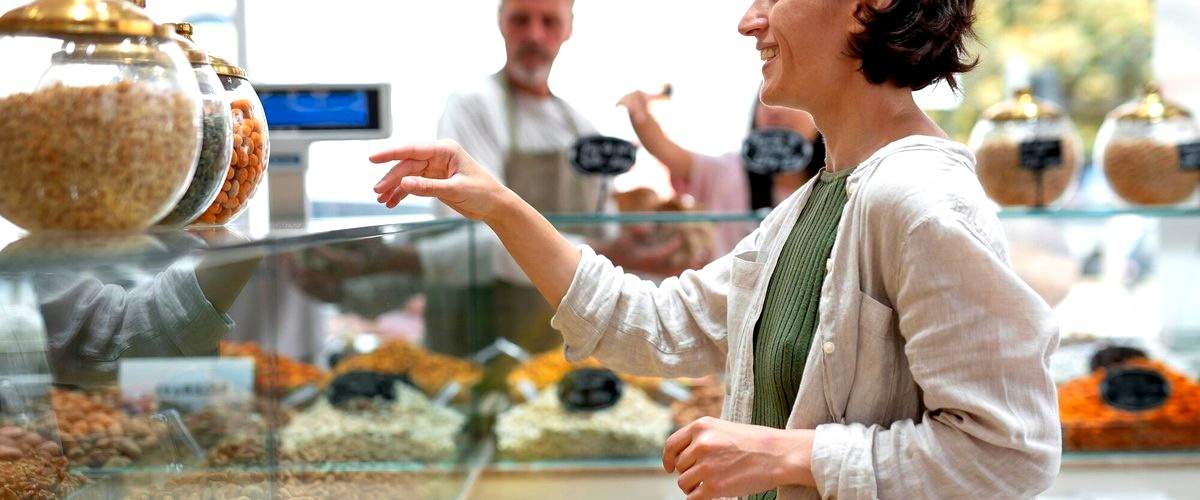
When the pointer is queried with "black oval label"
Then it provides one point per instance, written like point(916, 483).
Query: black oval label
point(600, 155)
point(1134, 389)
point(590, 389)
point(775, 150)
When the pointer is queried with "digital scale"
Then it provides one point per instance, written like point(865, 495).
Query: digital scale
point(301, 114)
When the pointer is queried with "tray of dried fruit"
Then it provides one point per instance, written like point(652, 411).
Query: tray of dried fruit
point(1130, 402)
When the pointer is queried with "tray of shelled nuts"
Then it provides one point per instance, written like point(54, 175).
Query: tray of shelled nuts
point(33, 467)
point(235, 434)
point(408, 427)
point(95, 433)
point(430, 371)
point(544, 429)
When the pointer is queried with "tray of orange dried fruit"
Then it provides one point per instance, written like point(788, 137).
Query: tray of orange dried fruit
point(274, 374)
point(1131, 403)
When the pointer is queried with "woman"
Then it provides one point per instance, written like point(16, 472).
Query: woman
point(927, 375)
point(722, 183)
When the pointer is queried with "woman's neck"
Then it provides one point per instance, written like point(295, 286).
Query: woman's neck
point(863, 118)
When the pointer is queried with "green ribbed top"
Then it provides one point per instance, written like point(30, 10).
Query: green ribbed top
point(789, 317)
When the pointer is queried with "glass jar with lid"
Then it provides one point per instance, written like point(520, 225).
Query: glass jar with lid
point(216, 145)
point(1149, 150)
point(99, 117)
point(251, 146)
point(1027, 151)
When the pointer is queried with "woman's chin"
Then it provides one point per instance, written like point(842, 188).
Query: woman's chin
point(771, 96)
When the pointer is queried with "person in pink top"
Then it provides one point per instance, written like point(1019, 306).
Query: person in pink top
point(722, 183)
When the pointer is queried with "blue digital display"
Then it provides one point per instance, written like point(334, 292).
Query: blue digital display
point(323, 110)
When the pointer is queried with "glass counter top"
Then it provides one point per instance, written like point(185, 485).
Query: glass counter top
point(161, 246)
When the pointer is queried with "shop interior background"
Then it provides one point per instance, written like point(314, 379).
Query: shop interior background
point(1089, 55)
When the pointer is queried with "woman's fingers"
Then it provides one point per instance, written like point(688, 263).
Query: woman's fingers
point(701, 493)
point(403, 169)
point(433, 188)
point(416, 152)
point(675, 445)
point(688, 459)
point(395, 197)
point(689, 481)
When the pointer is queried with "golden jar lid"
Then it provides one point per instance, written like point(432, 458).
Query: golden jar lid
point(183, 37)
point(225, 68)
point(81, 17)
point(1151, 107)
point(116, 53)
point(1023, 107)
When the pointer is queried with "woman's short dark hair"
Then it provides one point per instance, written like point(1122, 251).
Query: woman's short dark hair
point(915, 43)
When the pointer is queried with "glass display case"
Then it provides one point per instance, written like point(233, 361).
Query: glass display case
point(385, 358)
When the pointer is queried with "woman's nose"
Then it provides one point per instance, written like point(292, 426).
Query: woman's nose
point(755, 19)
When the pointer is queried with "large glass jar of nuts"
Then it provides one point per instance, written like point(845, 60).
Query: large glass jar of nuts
point(1027, 151)
point(251, 146)
point(99, 117)
point(216, 145)
point(1149, 150)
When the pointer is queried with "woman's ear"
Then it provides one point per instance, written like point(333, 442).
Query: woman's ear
point(858, 8)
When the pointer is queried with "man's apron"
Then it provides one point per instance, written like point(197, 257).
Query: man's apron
point(517, 312)
point(548, 182)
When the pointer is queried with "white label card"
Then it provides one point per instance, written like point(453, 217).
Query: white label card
point(189, 384)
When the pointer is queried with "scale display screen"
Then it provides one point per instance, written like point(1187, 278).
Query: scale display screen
point(309, 109)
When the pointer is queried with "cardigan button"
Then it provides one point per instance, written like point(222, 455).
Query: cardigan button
point(828, 347)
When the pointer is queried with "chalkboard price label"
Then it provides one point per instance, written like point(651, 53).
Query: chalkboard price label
point(1189, 156)
point(590, 390)
point(600, 155)
point(776, 151)
point(1041, 154)
point(1134, 389)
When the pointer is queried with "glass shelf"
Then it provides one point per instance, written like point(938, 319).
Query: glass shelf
point(1100, 213)
point(161, 247)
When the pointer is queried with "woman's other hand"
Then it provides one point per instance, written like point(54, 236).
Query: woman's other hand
point(717, 458)
point(444, 171)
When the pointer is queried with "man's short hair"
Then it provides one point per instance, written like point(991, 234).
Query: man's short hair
point(915, 43)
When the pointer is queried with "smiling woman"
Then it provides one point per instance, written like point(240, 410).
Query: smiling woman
point(876, 342)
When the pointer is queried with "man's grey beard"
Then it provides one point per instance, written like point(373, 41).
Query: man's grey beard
point(530, 77)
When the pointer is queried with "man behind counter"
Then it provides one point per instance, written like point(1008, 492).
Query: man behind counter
point(511, 119)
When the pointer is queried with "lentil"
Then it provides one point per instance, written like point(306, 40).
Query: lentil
point(113, 157)
point(998, 164)
point(1147, 172)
